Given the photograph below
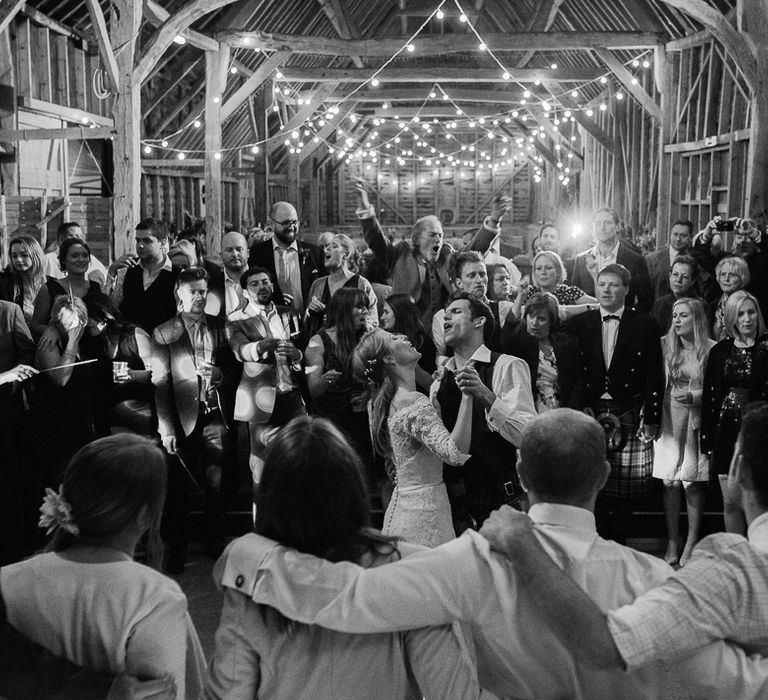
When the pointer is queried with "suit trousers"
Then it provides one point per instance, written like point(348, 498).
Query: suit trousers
point(198, 467)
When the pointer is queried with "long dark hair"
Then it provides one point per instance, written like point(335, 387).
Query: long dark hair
point(313, 497)
point(340, 319)
point(101, 308)
point(407, 318)
point(107, 483)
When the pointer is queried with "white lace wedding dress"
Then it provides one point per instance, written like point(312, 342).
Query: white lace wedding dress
point(419, 510)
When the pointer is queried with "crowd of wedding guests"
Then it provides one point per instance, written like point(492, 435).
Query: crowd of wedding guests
point(434, 382)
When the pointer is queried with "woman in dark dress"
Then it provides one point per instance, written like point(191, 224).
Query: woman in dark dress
point(74, 259)
point(126, 398)
point(401, 315)
point(335, 393)
point(734, 376)
point(16, 352)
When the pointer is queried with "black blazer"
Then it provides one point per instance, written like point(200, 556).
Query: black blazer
point(310, 266)
point(640, 295)
point(570, 371)
point(658, 270)
point(216, 289)
point(637, 369)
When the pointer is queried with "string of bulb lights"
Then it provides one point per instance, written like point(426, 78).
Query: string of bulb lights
point(300, 136)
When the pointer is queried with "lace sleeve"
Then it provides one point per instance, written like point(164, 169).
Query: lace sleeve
point(420, 421)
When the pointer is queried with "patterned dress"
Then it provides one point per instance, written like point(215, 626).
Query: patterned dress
point(419, 511)
point(564, 293)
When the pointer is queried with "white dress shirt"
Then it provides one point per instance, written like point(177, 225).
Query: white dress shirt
point(438, 332)
point(610, 330)
point(603, 260)
point(517, 656)
point(513, 407)
point(288, 271)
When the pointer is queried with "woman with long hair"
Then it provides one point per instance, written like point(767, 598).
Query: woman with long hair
point(25, 275)
point(336, 394)
point(313, 498)
point(732, 274)
point(74, 259)
point(677, 457)
point(407, 429)
point(401, 315)
point(734, 376)
point(342, 263)
point(85, 599)
point(127, 388)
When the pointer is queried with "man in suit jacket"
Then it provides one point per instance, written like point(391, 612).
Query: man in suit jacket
point(225, 294)
point(422, 268)
point(609, 249)
point(660, 261)
point(624, 387)
point(269, 394)
point(292, 263)
point(191, 366)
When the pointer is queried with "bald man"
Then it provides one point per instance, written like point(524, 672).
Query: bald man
point(225, 295)
point(292, 264)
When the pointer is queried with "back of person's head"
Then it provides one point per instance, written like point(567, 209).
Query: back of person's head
point(407, 318)
point(66, 244)
point(102, 309)
point(753, 447)
point(154, 227)
point(109, 485)
point(69, 312)
point(69, 229)
point(731, 313)
point(479, 309)
point(313, 495)
point(562, 457)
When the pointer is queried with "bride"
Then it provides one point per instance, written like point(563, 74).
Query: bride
point(407, 429)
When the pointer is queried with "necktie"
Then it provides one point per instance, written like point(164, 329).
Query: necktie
point(611, 317)
point(435, 287)
point(282, 272)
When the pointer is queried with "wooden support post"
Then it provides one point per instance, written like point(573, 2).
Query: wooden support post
point(8, 11)
point(665, 83)
point(625, 78)
point(126, 21)
point(216, 66)
point(9, 184)
point(261, 163)
point(294, 191)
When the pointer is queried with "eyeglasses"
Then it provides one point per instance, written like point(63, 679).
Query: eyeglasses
point(287, 222)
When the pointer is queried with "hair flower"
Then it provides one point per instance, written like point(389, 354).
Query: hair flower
point(55, 512)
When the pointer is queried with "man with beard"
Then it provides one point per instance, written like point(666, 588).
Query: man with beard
point(503, 406)
point(608, 249)
point(269, 394)
point(660, 262)
point(747, 245)
point(225, 294)
point(191, 363)
point(421, 268)
point(683, 278)
point(292, 263)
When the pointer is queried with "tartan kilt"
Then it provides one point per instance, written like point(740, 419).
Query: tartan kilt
point(632, 465)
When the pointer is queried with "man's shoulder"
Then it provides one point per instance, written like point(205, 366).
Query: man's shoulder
point(628, 255)
point(658, 255)
point(169, 331)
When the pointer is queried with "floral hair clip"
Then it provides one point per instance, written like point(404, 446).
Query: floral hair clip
point(56, 512)
point(371, 367)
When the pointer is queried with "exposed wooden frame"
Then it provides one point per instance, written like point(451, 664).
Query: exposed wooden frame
point(507, 98)
point(99, 25)
point(437, 44)
point(625, 78)
point(174, 25)
point(8, 10)
point(542, 20)
point(302, 115)
point(157, 15)
point(437, 74)
point(68, 114)
point(262, 73)
point(72, 132)
point(337, 14)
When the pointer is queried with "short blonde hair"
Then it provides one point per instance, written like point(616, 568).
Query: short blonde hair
point(555, 259)
point(736, 265)
point(68, 312)
point(731, 313)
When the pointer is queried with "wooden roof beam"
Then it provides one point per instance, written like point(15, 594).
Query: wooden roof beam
point(155, 101)
point(635, 89)
point(263, 72)
point(541, 118)
point(507, 98)
point(324, 133)
point(172, 27)
point(447, 74)
point(541, 21)
point(436, 44)
point(99, 26)
point(8, 10)
point(156, 15)
point(586, 123)
point(302, 115)
point(342, 23)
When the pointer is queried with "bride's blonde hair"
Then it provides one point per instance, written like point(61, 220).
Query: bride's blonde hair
point(369, 367)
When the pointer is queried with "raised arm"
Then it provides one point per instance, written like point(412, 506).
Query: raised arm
point(491, 227)
point(383, 249)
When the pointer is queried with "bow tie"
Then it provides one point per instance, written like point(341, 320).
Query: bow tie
point(611, 317)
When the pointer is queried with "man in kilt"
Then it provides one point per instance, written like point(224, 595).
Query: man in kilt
point(622, 360)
